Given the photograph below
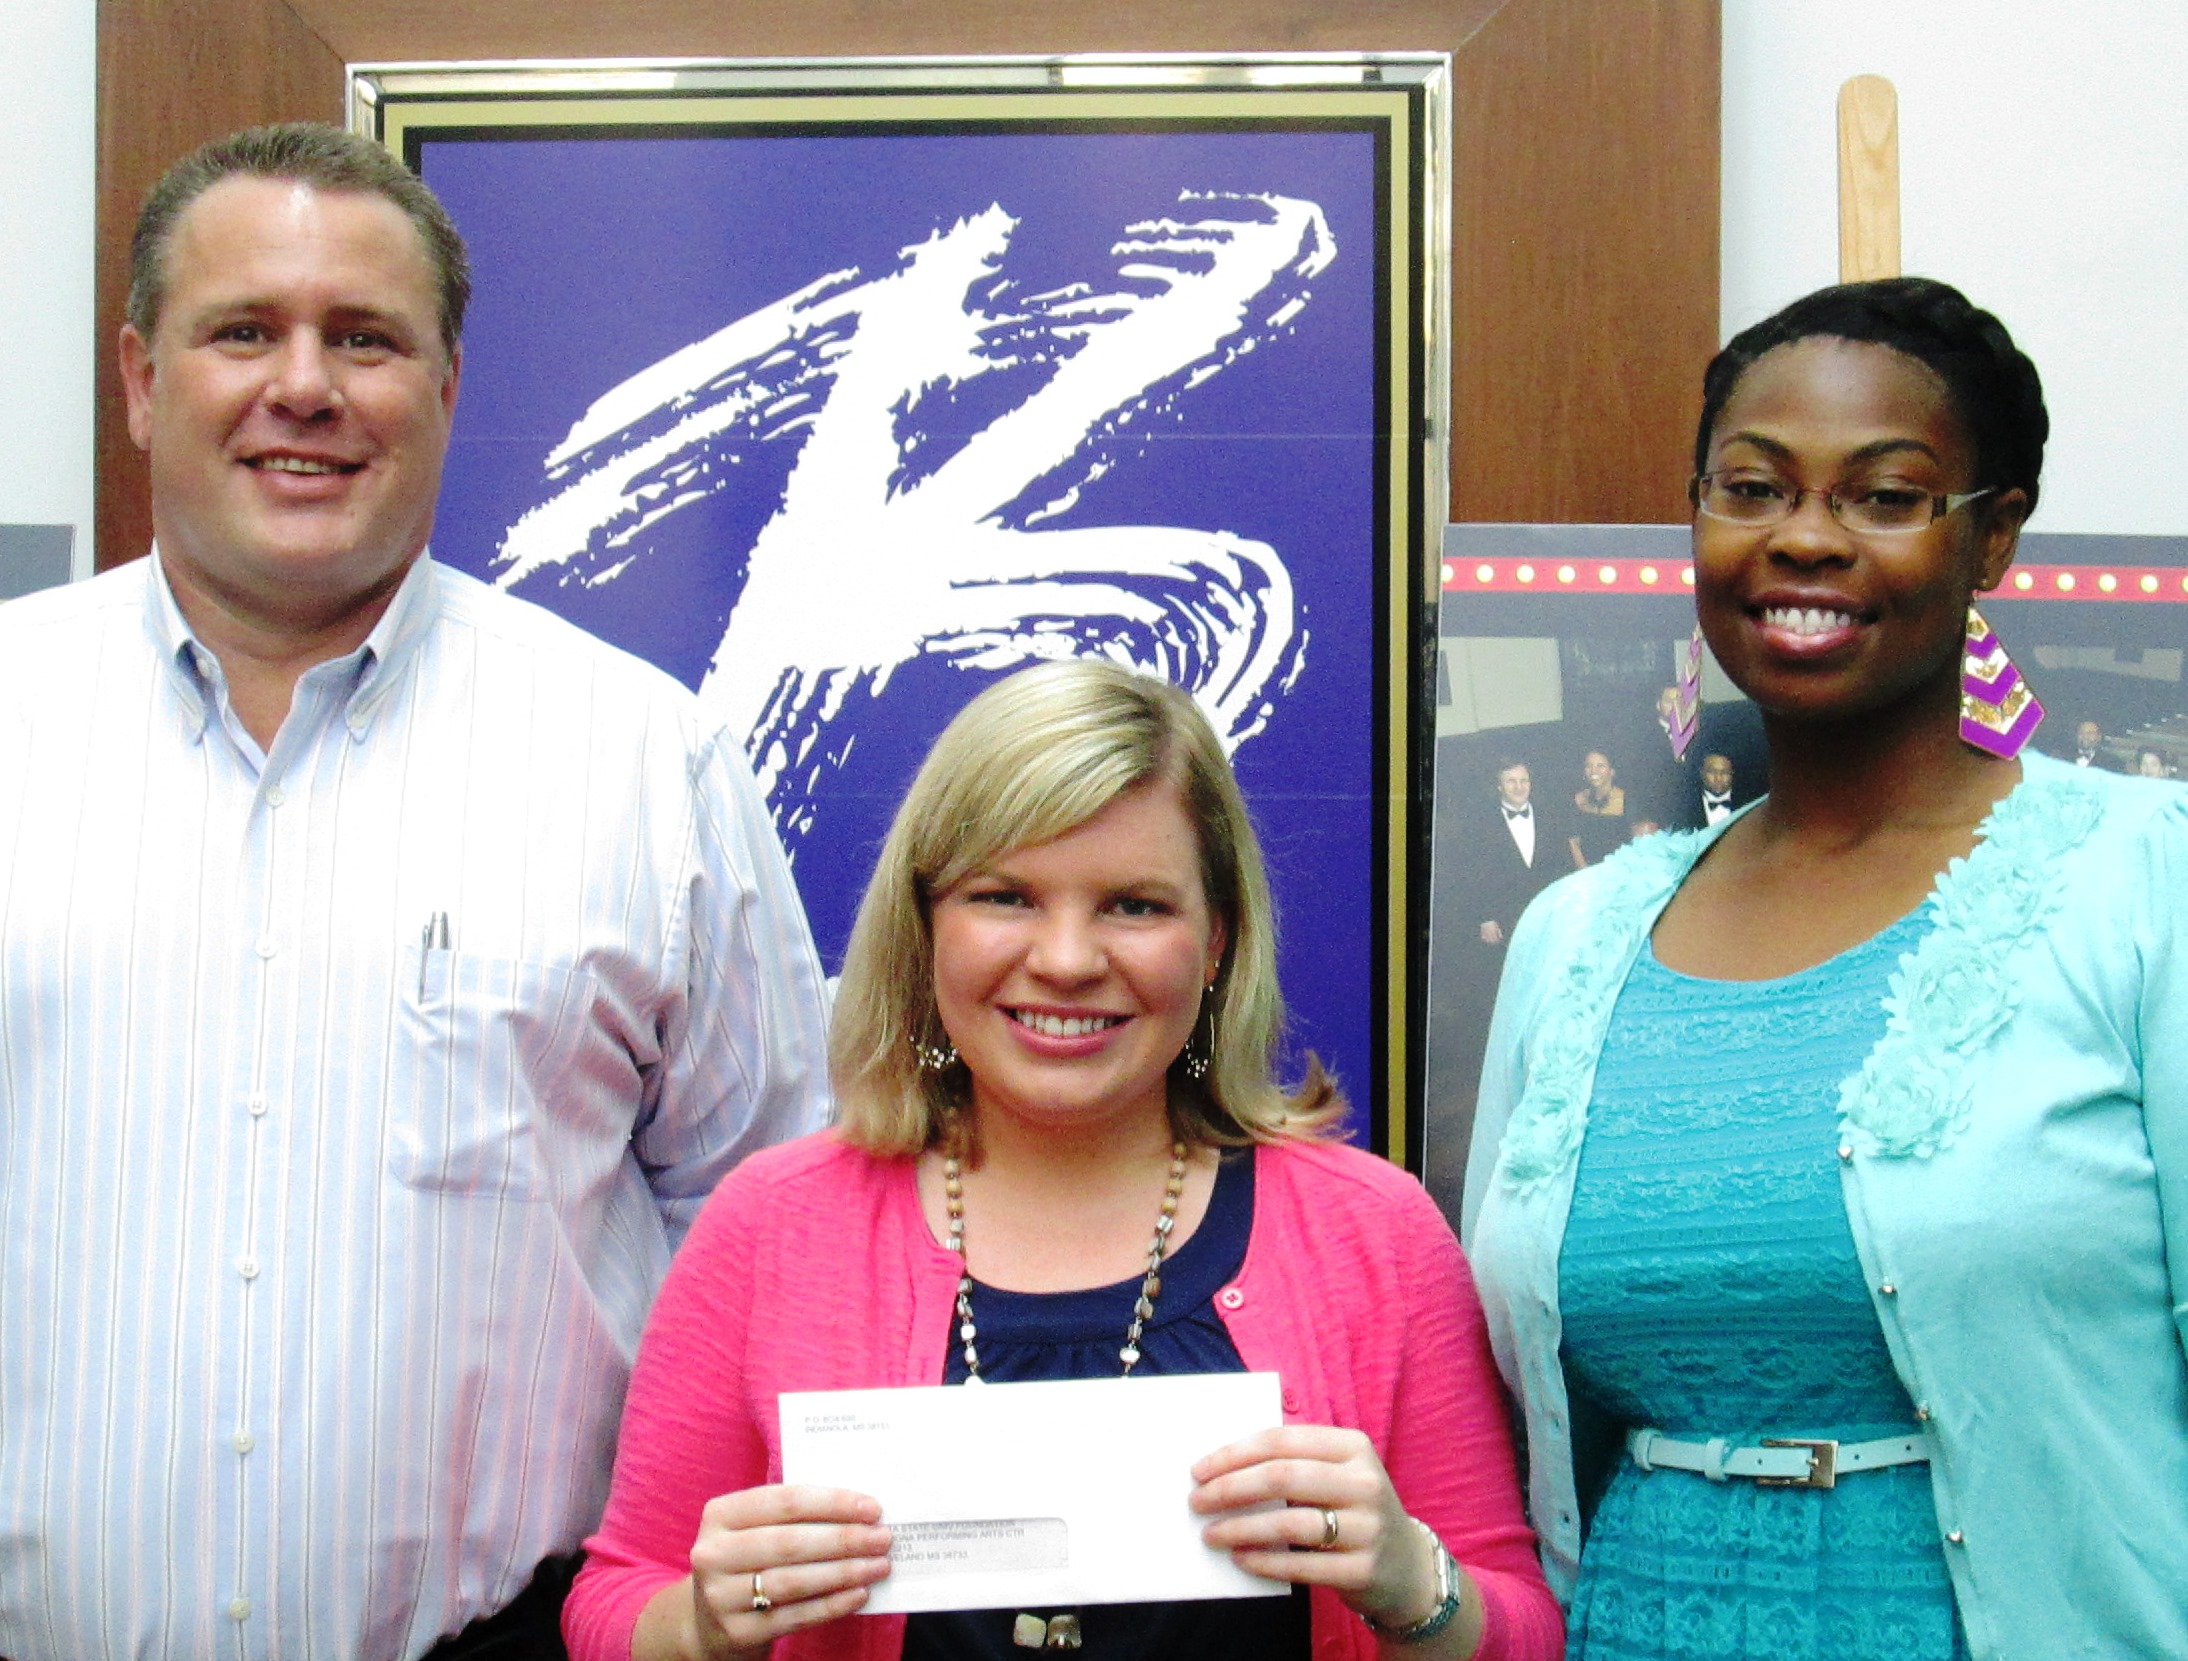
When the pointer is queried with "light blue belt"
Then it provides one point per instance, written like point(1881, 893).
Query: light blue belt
point(1777, 1461)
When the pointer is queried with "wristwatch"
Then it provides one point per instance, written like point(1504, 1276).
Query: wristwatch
point(1447, 1597)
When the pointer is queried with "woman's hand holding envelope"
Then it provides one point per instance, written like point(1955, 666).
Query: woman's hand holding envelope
point(767, 1561)
point(1337, 1523)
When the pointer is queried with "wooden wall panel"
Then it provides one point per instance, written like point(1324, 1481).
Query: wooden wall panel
point(172, 74)
point(1585, 177)
point(845, 28)
point(1585, 276)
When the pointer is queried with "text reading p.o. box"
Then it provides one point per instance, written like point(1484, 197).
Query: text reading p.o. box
point(1032, 1495)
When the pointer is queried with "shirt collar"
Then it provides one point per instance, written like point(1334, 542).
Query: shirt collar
point(394, 640)
point(196, 674)
point(191, 669)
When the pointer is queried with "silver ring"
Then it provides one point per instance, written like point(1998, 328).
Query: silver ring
point(1328, 1541)
point(761, 1602)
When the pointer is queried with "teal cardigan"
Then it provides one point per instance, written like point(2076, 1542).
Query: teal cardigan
point(2014, 1159)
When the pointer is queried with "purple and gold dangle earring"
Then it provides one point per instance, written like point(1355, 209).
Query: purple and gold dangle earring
point(1685, 717)
point(1998, 712)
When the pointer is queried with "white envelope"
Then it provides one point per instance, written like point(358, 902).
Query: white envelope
point(1032, 1495)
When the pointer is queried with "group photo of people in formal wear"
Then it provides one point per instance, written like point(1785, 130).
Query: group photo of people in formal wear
point(450, 1210)
point(1571, 758)
point(2154, 747)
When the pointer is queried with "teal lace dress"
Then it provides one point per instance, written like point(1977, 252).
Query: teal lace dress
point(1709, 1287)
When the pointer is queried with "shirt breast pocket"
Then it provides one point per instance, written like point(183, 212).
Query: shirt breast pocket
point(493, 1044)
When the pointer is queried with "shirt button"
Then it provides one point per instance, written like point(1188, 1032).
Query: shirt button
point(247, 1267)
point(243, 1441)
point(1846, 1154)
point(266, 946)
point(274, 797)
point(257, 1106)
point(239, 1609)
point(1291, 1401)
point(1955, 1537)
point(1889, 1290)
point(1231, 1297)
point(1922, 1412)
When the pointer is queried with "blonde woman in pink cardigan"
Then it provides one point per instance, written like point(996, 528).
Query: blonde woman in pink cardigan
point(1062, 1155)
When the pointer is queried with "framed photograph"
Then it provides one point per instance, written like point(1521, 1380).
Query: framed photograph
point(1559, 643)
point(841, 390)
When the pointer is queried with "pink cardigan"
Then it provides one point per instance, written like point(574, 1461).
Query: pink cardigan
point(811, 1268)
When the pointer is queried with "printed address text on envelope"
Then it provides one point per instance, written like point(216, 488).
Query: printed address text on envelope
point(1035, 1495)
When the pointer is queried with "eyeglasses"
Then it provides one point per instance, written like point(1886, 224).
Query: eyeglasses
point(1881, 509)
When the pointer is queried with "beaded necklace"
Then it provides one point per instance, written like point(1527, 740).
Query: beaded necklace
point(1143, 1308)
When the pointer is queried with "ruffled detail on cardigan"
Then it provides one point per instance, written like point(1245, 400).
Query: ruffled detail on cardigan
point(1958, 989)
point(1544, 1134)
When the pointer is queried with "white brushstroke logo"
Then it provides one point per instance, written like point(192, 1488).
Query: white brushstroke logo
point(906, 528)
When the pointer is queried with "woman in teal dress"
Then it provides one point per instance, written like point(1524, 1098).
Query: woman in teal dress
point(1829, 1192)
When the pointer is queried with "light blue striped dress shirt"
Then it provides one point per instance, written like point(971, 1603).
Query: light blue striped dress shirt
point(325, 1246)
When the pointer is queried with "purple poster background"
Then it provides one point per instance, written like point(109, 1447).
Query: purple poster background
point(1214, 515)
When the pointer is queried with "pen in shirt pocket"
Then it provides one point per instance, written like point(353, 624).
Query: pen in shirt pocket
point(434, 939)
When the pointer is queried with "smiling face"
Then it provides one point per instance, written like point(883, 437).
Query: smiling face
point(1716, 774)
point(294, 400)
point(1596, 768)
point(1069, 975)
point(1514, 785)
point(1807, 618)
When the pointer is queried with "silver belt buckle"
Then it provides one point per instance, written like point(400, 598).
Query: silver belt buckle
point(1823, 1464)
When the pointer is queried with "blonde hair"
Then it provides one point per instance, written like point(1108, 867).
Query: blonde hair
point(1031, 758)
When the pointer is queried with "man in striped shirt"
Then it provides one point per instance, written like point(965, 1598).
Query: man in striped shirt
point(387, 972)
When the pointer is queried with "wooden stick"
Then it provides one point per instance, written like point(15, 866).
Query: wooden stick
point(1868, 179)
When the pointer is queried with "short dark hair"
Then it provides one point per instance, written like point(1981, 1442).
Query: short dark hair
point(312, 153)
point(1993, 387)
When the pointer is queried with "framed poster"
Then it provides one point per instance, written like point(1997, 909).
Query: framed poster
point(1559, 643)
point(840, 390)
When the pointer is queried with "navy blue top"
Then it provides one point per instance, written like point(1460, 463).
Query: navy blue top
point(1043, 1335)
